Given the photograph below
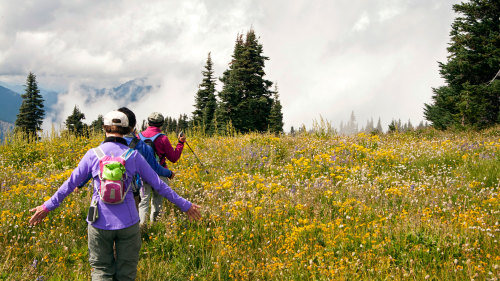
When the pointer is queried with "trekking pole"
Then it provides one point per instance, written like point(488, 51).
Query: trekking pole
point(181, 134)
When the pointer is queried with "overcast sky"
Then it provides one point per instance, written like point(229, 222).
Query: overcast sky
point(378, 58)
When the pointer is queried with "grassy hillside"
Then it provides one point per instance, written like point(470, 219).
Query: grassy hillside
point(419, 206)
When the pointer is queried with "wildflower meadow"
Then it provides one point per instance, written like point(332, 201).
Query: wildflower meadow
point(422, 205)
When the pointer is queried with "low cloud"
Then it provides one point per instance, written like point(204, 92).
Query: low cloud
point(378, 58)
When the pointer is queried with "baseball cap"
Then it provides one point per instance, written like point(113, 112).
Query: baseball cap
point(116, 118)
point(155, 118)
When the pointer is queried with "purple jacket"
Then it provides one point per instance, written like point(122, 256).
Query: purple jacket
point(115, 216)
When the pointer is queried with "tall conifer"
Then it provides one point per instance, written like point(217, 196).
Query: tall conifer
point(276, 116)
point(470, 97)
point(205, 101)
point(245, 99)
point(31, 112)
point(74, 122)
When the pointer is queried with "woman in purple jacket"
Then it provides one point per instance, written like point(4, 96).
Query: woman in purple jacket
point(116, 223)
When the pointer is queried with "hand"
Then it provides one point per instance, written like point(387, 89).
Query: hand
point(40, 214)
point(182, 137)
point(193, 213)
point(172, 176)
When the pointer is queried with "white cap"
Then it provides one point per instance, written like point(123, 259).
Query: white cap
point(116, 118)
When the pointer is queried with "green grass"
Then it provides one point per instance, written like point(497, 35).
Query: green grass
point(415, 206)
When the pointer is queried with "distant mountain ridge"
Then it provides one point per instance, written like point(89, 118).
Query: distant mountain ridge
point(9, 107)
point(10, 96)
point(11, 101)
point(132, 91)
point(5, 128)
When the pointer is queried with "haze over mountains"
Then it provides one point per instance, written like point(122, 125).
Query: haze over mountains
point(10, 95)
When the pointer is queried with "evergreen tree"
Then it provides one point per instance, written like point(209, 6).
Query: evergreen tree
point(229, 98)
point(468, 99)
point(409, 125)
point(393, 126)
point(205, 101)
point(31, 112)
point(379, 126)
point(245, 99)
point(182, 123)
point(369, 126)
point(351, 127)
point(98, 124)
point(174, 125)
point(169, 121)
point(74, 122)
point(276, 116)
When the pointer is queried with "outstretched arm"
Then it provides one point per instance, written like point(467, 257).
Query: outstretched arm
point(164, 190)
point(77, 176)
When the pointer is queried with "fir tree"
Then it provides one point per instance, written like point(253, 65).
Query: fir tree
point(351, 128)
point(229, 98)
point(470, 97)
point(98, 124)
point(369, 126)
point(379, 126)
point(31, 112)
point(182, 123)
point(205, 101)
point(74, 122)
point(276, 116)
point(409, 125)
point(245, 99)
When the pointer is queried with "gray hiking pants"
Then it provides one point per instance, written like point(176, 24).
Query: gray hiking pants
point(102, 261)
point(148, 194)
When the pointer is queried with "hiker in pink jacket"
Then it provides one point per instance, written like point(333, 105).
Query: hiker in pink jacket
point(164, 150)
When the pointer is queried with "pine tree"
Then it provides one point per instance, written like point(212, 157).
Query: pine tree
point(205, 101)
point(351, 127)
point(98, 124)
point(182, 123)
point(229, 97)
point(369, 126)
point(379, 126)
point(74, 122)
point(169, 124)
point(31, 112)
point(276, 116)
point(393, 126)
point(468, 99)
point(245, 99)
point(409, 125)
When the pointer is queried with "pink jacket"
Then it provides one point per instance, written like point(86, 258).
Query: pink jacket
point(163, 147)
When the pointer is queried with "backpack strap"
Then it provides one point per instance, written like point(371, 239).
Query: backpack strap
point(153, 138)
point(133, 143)
point(126, 155)
point(98, 152)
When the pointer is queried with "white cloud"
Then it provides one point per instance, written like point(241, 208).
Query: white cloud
point(385, 68)
point(388, 13)
point(362, 22)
